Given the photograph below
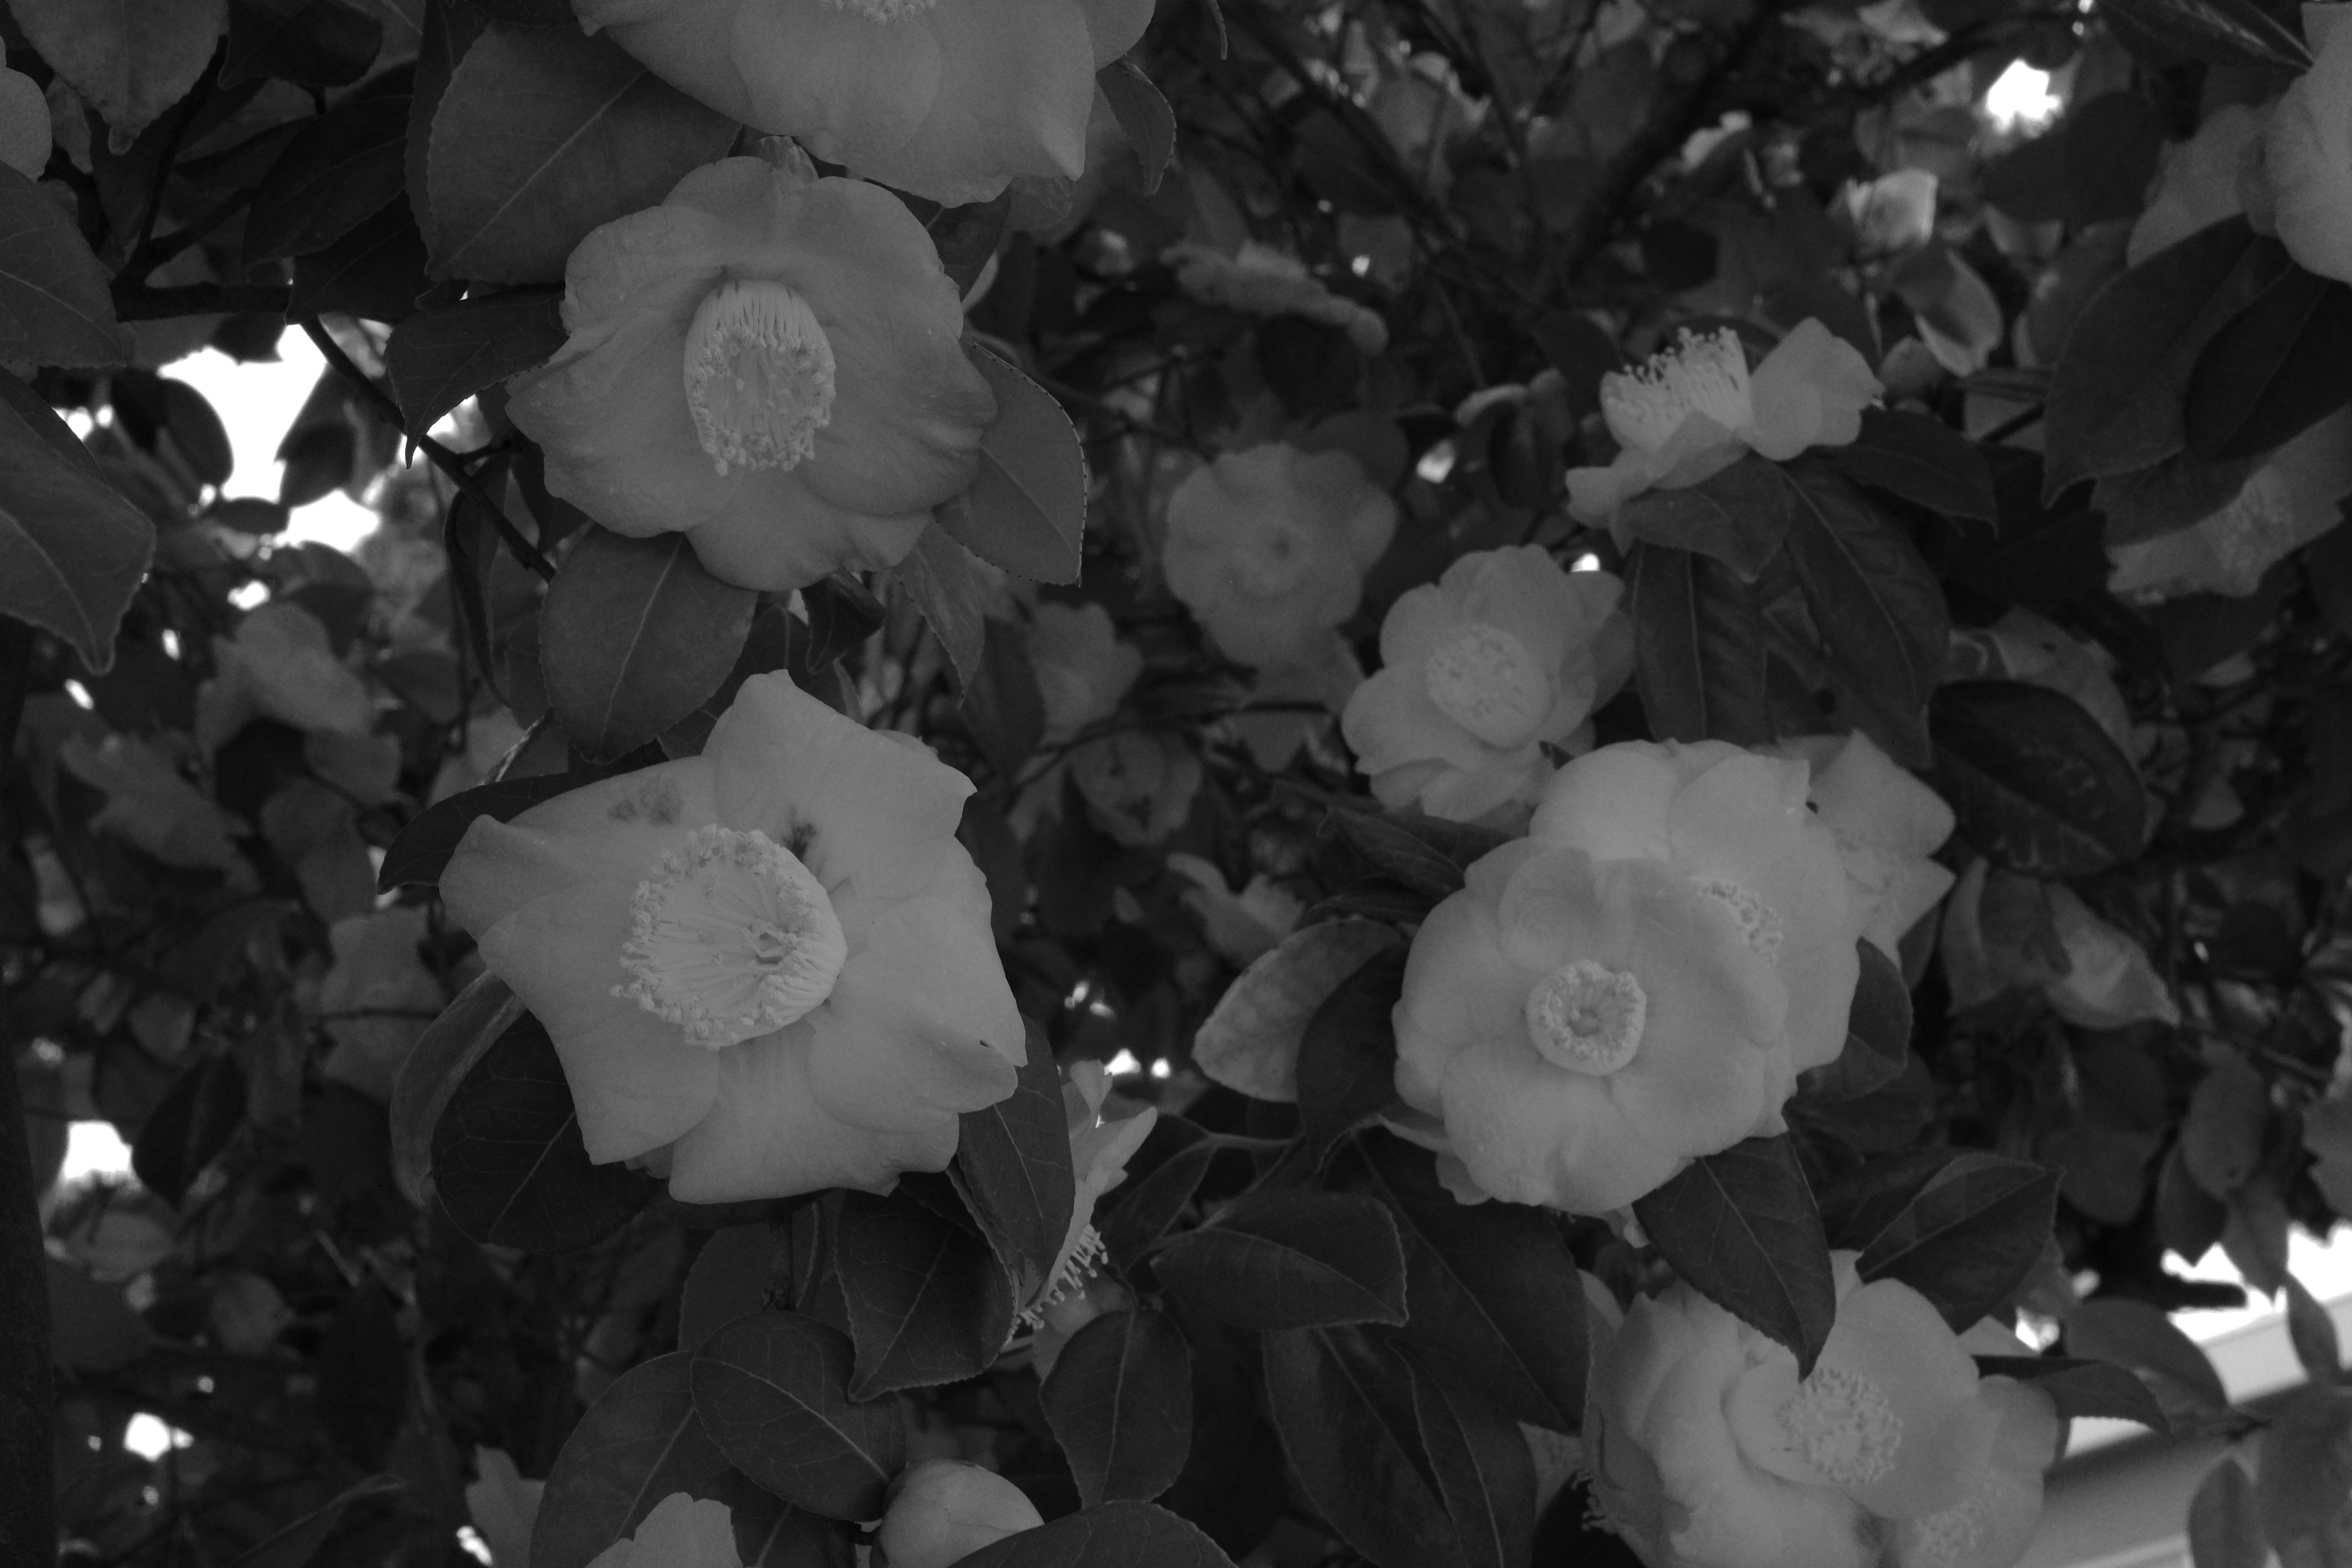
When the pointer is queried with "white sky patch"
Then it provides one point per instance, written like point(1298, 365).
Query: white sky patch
point(2021, 99)
point(2324, 1266)
point(94, 1148)
point(148, 1437)
point(1123, 1064)
point(258, 403)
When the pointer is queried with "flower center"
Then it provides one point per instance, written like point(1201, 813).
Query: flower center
point(733, 938)
point(1941, 1540)
point(1759, 924)
point(759, 375)
point(1645, 405)
point(1487, 680)
point(1273, 558)
point(1841, 1423)
point(1587, 1018)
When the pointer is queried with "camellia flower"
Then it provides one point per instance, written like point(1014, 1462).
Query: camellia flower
point(1269, 549)
point(1259, 280)
point(151, 805)
point(2308, 151)
point(1099, 1152)
point(943, 1510)
point(681, 1532)
point(280, 664)
point(1708, 1451)
point(1693, 410)
point(947, 102)
point(1505, 655)
point(767, 362)
point(767, 968)
point(1886, 823)
point(1636, 983)
point(2288, 502)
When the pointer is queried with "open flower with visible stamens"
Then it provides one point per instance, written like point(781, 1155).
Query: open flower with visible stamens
point(950, 101)
point(769, 362)
point(768, 969)
point(1636, 984)
point(1694, 410)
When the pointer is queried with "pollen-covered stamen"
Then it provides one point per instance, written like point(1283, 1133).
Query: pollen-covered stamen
point(1843, 1426)
point(1487, 682)
point(732, 937)
point(1081, 1260)
point(1587, 1017)
point(1700, 374)
point(759, 375)
point(1943, 1540)
point(1760, 924)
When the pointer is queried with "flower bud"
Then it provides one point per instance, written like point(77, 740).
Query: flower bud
point(946, 1509)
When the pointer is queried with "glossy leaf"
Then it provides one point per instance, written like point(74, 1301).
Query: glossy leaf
point(1877, 1033)
point(440, 357)
point(640, 1442)
point(1143, 114)
point(927, 1301)
point(1292, 1260)
point(940, 576)
point(338, 171)
point(773, 1393)
point(1960, 1226)
point(2083, 1389)
point(1013, 1161)
point(1739, 517)
point(54, 304)
point(1026, 510)
point(421, 853)
point(1119, 1401)
point(1116, 1535)
point(734, 1274)
point(2037, 786)
point(2225, 1521)
point(72, 550)
point(2131, 1333)
point(1347, 1057)
point(1741, 1229)
point(1344, 1409)
point(1698, 648)
point(435, 1064)
point(1922, 460)
point(132, 60)
point(2278, 368)
point(634, 635)
point(1485, 1473)
point(1426, 853)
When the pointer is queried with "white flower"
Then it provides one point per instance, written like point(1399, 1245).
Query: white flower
point(1886, 823)
point(1693, 410)
point(2290, 500)
point(2307, 150)
point(680, 1532)
point(1260, 280)
point(945, 1510)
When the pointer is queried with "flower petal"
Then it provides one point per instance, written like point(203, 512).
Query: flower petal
point(1534, 1133)
point(1611, 804)
point(776, 533)
point(614, 829)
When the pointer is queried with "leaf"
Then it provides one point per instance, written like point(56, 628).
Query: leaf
point(439, 357)
point(191, 1124)
point(1252, 1039)
point(1740, 1226)
point(421, 853)
point(1292, 1260)
point(2133, 1334)
point(2312, 1329)
point(507, 1161)
point(2116, 398)
point(1738, 518)
point(1004, 709)
point(1116, 1535)
point(1698, 648)
point(376, 270)
point(634, 633)
point(1144, 1207)
point(299, 1542)
point(1342, 1404)
point(544, 134)
point(1877, 1033)
point(2305, 1469)
point(1879, 607)
point(732, 1276)
point(1347, 1056)
point(640, 1442)
point(195, 429)
point(1143, 113)
point(72, 550)
point(340, 170)
point(1026, 510)
point(2037, 786)
point(927, 1301)
point(54, 304)
point(1920, 459)
point(1485, 1282)
point(311, 43)
point(2222, 1136)
point(2274, 371)
point(1424, 853)
point(939, 578)
point(2225, 1521)
point(435, 1064)
point(1120, 1402)
point(2082, 1388)
point(1962, 1227)
point(1485, 1472)
point(773, 1393)
point(131, 59)
point(1014, 1159)
point(362, 1371)
point(2221, 32)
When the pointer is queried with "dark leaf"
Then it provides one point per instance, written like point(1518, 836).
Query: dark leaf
point(2275, 370)
point(196, 429)
point(54, 308)
point(1116, 1535)
point(439, 358)
point(311, 43)
point(2082, 1388)
point(1739, 517)
point(939, 577)
point(363, 1378)
point(773, 1393)
point(965, 237)
point(735, 1273)
point(1424, 853)
point(1143, 114)
point(2039, 787)
point(1485, 1472)
point(72, 550)
point(1740, 1226)
point(640, 1442)
point(340, 170)
point(1347, 1059)
point(435, 1064)
point(927, 1301)
point(634, 634)
point(299, 1542)
point(2304, 1470)
point(1119, 1401)
point(2225, 1521)
point(2221, 32)
point(1147, 1206)
point(421, 853)
point(1877, 1032)
point(1960, 1226)
point(194, 1120)
point(1698, 648)
point(1344, 1408)
point(2134, 1334)
point(1026, 511)
point(1292, 1260)
point(1002, 707)
point(2112, 141)
point(1014, 1162)
point(1922, 460)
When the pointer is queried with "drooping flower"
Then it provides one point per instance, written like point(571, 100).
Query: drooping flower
point(769, 362)
point(942, 1511)
point(2289, 500)
point(1099, 1152)
point(1502, 656)
point(2307, 150)
point(949, 101)
point(1269, 549)
point(1259, 280)
point(682, 1531)
point(1886, 823)
point(1694, 410)
point(1708, 1451)
point(1636, 983)
point(280, 664)
point(767, 967)
point(150, 804)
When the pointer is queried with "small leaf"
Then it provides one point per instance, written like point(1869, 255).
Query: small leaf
point(640, 1442)
point(509, 1163)
point(1292, 1260)
point(1962, 1227)
point(1026, 510)
point(72, 550)
point(2037, 786)
point(340, 170)
point(1143, 114)
point(1922, 460)
point(2221, 32)
point(54, 304)
point(1738, 518)
point(773, 1393)
point(2225, 1521)
point(435, 1064)
point(634, 635)
point(311, 43)
point(1485, 1472)
point(927, 1301)
point(2274, 371)
point(2222, 1135)
point(1698, 648)
point(1116, 1535)
point(2082, 1388)
point(1015, 1160)
point(1344, 1410)
point(440, 357)
point(1119, 1401)
point(1347, 1056)
point(1740, 1226)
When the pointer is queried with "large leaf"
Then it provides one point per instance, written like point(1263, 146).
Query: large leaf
point(1922, 460)
point(439, 357)
point(2281, 366)
point(1960, 1226)
point(340, 170)
point(542, 135)
point(1028, 508)
point(1877, 1033)
point(1292, 1260)
point(2134, 1334)
point(435, 1064)
point(772, 1391)
point(312, 43)
point(131, 59)
point(1485, 1472)
point(1143, 114)
point(1119, 1401)
point(1741, 1229)
point(1737, 518)
point(2037, 786)
point(2082, 1388)
point(1252, 1039)
point(1492, 1289)
point(638, 1443)
point(1347, 1057)
point(1013, 1161)
point(2221, 32)
point(54, 304)
point(927, 1301)
point(376, 270)
point(943, 582)
point(634, 635)
point(72, 550)
point(1698, 648)
point(508, 1160)
point(2225, 1521)
point(1344, 1407)
point(1116, 1535)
